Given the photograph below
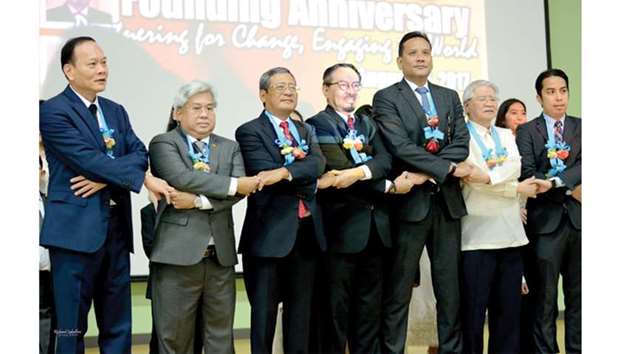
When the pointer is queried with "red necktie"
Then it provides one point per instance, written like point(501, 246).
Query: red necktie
point(302, 210)
point(351, 122)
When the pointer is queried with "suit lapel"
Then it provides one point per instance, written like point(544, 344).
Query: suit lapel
point(85, 117)
point(569, 130)
point(270, 136)
point(418, 118)
point(214, 153)
point(336, 119)
point(541, 127)
point(181, 141)
point(441, 104)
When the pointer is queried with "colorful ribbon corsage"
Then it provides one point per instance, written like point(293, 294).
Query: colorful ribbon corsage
point(556, 153)
point(355, 143)
point(290, 152)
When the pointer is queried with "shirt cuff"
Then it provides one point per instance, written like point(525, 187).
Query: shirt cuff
point(367, 173)
point(388, 185)
point(232, 189)
point(558, 181)
point(206, 204)
point(510, 189)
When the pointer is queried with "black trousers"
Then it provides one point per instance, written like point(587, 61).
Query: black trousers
point(47, 318)
point(558, 253)
point(491, 279)
point(355, 290)
point(290, 280)
point(442, 236)
point(528, 301)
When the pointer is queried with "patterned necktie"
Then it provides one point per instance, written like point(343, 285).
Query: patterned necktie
point(302, 210)
point(351, 122)
point(199, 145)
point(93, 110)
point(425, 104)
point(558, 131)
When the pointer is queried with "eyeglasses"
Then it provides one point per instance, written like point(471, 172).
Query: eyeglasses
point(344, 86)
point(280, 88)
point(197, 109)
point(483, 99)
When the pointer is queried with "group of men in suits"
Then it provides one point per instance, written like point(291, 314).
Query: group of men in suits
point(357, 196)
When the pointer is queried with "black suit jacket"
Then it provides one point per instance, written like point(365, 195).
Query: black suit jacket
point(544, 213)
point(271, 222)
point(349, 212)
point(401, 120)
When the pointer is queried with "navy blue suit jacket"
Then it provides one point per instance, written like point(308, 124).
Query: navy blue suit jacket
point(74, 147)
point(271, 222)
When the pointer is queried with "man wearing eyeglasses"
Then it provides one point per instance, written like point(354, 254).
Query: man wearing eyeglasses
point(282, 234)
point(424, 130)
point(357, 226)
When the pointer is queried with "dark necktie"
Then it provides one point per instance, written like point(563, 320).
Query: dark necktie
point(302, 210)
point(93, 110)
point(425, 104)
point(351, 122)
point(558, 131)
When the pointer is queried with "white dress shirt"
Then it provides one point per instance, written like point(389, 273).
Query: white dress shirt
point(493, 217)
point(44, 255)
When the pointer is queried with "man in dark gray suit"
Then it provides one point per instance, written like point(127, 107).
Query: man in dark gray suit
point(424, 130)
point(193, 253)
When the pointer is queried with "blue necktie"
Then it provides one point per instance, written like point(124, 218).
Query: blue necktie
point(425, 104)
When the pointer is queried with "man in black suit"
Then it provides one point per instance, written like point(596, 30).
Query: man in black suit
point(550, 148)
point(357, 223)
point(282, 233)
point(424, 130)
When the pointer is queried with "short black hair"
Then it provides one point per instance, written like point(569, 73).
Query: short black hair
point(546, 74)
point(66, 53)
point(500, 121)
point(327, 74)
point(410, 35)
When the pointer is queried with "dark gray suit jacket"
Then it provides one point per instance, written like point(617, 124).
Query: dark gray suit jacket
point(544, 213)
point(400, 118)
point(181, 236)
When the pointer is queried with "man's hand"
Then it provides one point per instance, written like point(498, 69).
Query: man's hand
point(417, 178)
point(477, 175)
point(403, 183)
point(327, 180)
point(524, 288)
point(84, 187)
point(267, 178)
point(158, 187)
point(543, 185)
point(463, 169)
point(524, 216)
point(345, 178)
point(247, 185)
point(576, 193)
point(528, 187)
point(182, 200)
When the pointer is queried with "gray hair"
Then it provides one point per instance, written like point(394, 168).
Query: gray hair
point(468, 94)
point(190, 89)
point(263, 83)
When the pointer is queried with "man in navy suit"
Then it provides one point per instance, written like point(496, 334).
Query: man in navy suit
point(282, 232)
point(94, 159)
point(550, 148)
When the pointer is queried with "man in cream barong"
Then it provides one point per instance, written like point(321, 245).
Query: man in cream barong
point(492, 233)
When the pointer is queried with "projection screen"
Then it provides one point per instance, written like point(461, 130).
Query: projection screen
point(155, 46)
